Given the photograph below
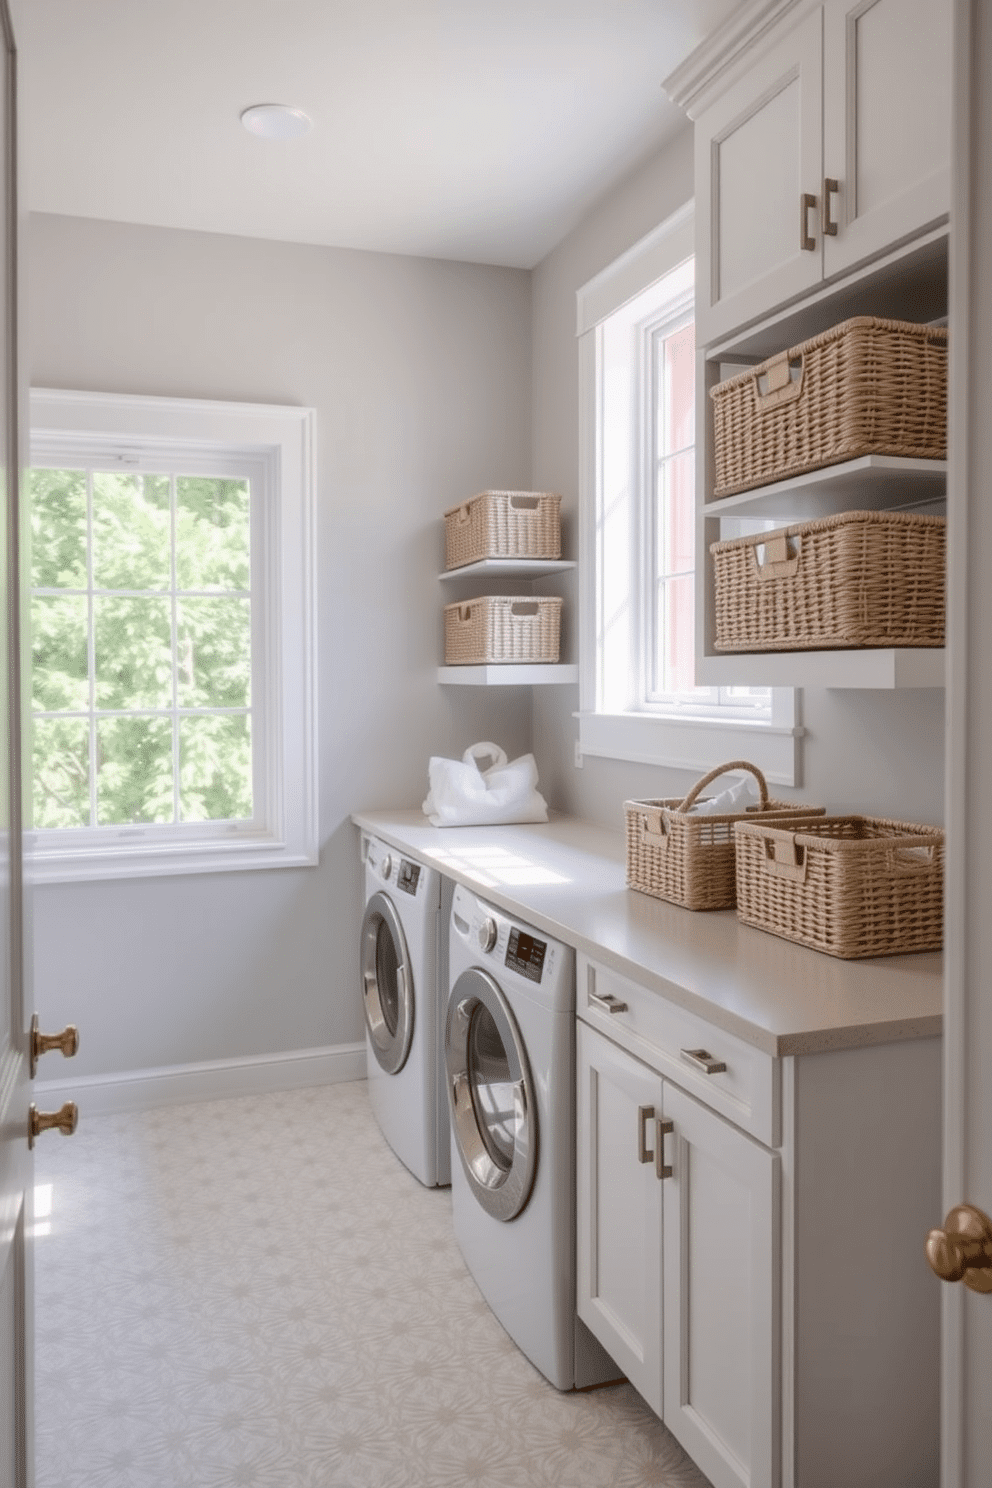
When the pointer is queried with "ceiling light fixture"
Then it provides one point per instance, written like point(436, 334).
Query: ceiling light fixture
point(276, 121)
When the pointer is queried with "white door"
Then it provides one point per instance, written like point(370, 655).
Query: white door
point(721, 1287)
point(967, 1343)
point(16, 1447)
point(759, 149)
point(618, 1208)
point(886, 123)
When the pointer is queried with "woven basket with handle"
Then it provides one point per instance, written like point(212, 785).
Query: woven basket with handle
point(689, 859)
point(848, 885)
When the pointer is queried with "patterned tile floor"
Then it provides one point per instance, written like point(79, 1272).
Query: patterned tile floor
point(218, 1305)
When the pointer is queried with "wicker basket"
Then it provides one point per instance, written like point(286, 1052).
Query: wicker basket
point(503, 524)
point(690, 859)
point(865, 387)
point(848, 885)
point(497, 628)
point(858, 579)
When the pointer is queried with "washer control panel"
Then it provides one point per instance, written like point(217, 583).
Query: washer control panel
point(525, 954)
point(408, 876)
point(499, 941)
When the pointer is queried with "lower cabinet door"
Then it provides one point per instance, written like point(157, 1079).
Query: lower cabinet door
point(721, 1289)
point(619, 1208)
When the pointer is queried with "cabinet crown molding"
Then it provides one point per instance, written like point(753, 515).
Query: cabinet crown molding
point(692, 79)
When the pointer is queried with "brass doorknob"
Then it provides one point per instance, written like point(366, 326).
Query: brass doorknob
point(41, 1121)
point(962, 1250)
point(42, 1043)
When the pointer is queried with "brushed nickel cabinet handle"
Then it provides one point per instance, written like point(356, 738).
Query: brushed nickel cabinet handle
point(662, 1129)
point(830, 188)
point(702, 1059)
point(807, 203)
point(607, 1002)
point(644, 1115)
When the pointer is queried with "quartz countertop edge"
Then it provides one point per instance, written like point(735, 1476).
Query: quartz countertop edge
point(567, 878)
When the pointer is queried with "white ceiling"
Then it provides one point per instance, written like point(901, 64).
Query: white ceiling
point(468, 129)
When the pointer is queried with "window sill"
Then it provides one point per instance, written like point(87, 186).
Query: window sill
point(697, 744)
point(45, 865)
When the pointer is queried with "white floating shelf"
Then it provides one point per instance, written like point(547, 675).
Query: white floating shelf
point(898, 667)
point(509, 568)
point(871, 483)
point(525, 674)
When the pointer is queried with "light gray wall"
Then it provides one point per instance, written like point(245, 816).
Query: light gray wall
point(420, 375)
point(880, 753)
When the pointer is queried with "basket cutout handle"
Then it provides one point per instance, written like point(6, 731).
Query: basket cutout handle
point(521, 502)
point(723, 770)
point(464, 615)
point(463, 514)
point(774, 383)
point(654, 828)
point(916, 859)
point(777, 558)
point(784, 857)
point(524, 607)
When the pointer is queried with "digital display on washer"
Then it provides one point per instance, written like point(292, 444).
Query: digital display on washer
point(409, 876)
point(525, 954)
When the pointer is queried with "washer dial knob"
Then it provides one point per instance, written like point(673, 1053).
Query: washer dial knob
point(387, 866)
point(487, 934)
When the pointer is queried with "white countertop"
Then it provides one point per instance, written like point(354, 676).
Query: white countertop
point(567, 878)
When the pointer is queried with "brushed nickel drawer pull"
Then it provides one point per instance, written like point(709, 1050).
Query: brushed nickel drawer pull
point(662, 1129)
point(702, 1059)
point(830, 188)
point(807, 204)
point(644, 1115)
point(607, 1002)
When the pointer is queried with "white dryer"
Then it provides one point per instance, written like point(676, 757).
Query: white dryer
point(510, 1062)
point(404, 979)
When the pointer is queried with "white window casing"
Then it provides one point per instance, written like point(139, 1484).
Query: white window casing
point(273, 446)
point(692, 740)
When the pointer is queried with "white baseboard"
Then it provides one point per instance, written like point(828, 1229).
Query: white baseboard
point(182, 1084)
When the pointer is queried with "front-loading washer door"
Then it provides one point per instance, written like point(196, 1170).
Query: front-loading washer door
point(387, 984)
point(493, 1108)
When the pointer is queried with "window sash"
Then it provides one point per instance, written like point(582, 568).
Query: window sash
point(237, 469)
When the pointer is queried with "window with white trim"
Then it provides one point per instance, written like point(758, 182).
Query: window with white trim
point(171, 623)
point(639, 700)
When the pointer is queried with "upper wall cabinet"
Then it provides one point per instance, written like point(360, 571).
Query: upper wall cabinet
point(822, 140)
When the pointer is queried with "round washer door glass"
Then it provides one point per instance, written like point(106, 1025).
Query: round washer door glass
point(387, 984)
point(493, 1109)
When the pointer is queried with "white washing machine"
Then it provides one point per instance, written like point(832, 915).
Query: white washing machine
point(510, 1062)
point(404, 980)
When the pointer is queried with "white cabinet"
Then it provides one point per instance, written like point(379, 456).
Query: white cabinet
point(676, 1258)
point(619, 1204)
point(826, 143)
point(758, 155)
point(749, 1240)
point(886, 123)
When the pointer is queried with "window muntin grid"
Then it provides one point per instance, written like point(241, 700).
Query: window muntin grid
point(190, 726)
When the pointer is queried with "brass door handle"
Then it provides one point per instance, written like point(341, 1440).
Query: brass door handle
point(962, 1250)
point(43, 1043)
point(64, 1119)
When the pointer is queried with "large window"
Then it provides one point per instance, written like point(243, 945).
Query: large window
point(171, 636)
point(638, 525)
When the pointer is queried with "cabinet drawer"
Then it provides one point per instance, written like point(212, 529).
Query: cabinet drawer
point(746, 1091)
